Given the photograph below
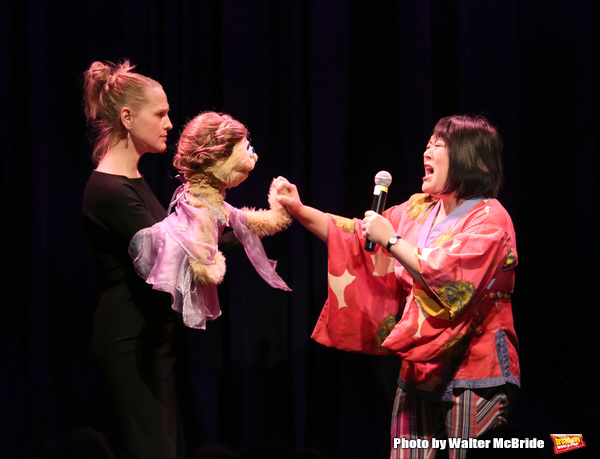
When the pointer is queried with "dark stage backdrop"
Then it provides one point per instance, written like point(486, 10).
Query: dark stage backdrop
point(332, 92)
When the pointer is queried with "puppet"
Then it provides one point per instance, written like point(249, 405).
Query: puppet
point(180, 254)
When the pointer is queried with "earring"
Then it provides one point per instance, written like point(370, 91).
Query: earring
point(128, 138)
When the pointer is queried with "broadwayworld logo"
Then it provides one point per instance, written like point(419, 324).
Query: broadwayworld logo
point(567, 442)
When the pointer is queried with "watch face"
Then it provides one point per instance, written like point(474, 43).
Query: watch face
point(393, 239)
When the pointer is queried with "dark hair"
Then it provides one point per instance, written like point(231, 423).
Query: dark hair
point(475, 154)
point(209, 137)
point(109, 87)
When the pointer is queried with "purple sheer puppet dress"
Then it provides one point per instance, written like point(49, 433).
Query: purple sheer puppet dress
point(161, 255)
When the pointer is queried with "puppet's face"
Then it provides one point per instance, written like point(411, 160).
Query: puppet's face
point(235, 169)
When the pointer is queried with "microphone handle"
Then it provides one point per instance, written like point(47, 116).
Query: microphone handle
point(377, 206)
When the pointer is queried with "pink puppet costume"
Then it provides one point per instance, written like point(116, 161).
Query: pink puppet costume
point(161, 255)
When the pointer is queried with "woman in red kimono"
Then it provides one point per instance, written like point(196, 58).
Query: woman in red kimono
point(436, 291)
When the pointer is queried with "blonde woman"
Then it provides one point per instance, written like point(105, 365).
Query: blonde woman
point(135, 331)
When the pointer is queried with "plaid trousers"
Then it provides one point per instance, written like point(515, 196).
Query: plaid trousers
point(470, 414)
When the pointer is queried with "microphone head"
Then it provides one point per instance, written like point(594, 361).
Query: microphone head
point(383, 178)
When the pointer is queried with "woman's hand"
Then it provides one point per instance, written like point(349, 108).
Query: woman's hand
point(377, 228)
point(312, 219)
point(288, 196)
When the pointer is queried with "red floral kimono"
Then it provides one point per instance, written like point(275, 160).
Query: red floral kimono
point(456, 331)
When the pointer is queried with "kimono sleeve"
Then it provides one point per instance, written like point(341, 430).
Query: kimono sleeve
point(364, 298)
point(458, 270)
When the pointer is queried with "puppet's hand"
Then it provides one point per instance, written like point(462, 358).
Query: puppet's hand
point(274, 191)
point(209, 274)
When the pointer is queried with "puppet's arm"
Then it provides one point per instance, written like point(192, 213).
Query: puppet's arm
point(207, 263)
point(268, 222)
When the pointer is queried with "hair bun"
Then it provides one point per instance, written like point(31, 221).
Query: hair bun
point(100, 73)
point(104, 74)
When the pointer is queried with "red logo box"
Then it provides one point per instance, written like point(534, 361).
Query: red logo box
point(567, 442)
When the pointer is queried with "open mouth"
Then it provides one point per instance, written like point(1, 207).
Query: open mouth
point(428, 170)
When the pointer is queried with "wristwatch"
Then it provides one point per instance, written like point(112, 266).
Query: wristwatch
point(391, 242)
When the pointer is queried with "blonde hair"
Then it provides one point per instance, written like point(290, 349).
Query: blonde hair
point(109, 87)
point(209, 137)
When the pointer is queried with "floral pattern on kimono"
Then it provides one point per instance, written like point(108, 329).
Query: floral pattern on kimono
point(365, 298)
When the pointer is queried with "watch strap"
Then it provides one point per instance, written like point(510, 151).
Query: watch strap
point(390, 243)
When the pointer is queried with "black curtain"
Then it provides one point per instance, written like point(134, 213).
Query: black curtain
point(332, 92)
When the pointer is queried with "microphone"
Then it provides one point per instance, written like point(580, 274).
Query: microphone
point(383, 179)
point(137, 138)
